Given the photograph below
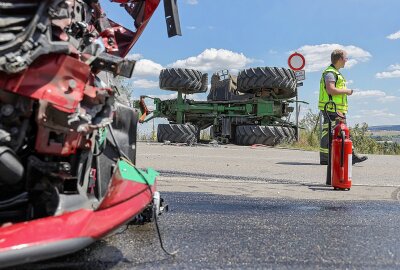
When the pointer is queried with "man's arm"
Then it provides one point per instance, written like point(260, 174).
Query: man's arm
point(332, 90)
point(330, 82)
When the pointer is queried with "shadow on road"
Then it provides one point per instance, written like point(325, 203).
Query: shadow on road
point(297, 163)
point(319, 187)
point(99, 255)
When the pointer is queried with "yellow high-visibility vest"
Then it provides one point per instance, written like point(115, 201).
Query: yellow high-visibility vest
point(340, 100)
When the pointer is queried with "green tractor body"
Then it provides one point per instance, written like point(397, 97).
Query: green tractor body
point(251, 108)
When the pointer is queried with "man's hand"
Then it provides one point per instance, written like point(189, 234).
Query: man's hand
point(349, 92)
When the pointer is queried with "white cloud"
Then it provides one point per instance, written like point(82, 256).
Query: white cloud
point(394, 35)
point(146, 84)
point(394, 67)
point(377, 113)
point(144, 68)
point(147, 68)
point(389, 99)
point(134, 56)
point(369, 93)
point(214, 60)
point(388, 74)
point(318, 57)
point(394, 72)
point(192, 2)
point(191, 27)
point(146, 71)
point(196, 97)
point(165, 96)
point(377, 95)
point(375, 117)
point(271, 51)
point(211, 27)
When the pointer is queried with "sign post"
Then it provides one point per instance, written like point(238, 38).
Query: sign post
point(296, 62)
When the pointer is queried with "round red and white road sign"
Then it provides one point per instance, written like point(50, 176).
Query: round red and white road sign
point(296, 61)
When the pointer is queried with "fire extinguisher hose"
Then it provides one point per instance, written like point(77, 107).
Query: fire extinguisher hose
point(342, 134)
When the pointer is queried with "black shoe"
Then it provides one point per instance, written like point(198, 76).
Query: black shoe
point(358, 159)
point(323, 162)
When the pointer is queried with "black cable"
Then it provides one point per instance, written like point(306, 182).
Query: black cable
point(156, 220)
point(122, 155)
point(99, 151)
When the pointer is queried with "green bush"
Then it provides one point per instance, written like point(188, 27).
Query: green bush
point(362, 142)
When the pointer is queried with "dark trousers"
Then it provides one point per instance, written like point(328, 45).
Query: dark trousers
point(324, 144)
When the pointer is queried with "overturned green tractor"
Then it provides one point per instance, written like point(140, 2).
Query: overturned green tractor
point(250, 108)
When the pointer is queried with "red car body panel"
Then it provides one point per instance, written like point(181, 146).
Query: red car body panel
point(125, 200)
point(49, 79)
point(126, 38)
point(64, 80)
point(122, 190)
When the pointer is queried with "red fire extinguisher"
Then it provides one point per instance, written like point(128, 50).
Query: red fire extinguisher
point(341, 157)
point(340, 154)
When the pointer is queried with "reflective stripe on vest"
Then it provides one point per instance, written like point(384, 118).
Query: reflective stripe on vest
point(340, 100)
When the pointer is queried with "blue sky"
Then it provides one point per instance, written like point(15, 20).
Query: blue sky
point(237, 34)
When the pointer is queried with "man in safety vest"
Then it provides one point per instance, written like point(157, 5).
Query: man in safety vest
point(333, 86)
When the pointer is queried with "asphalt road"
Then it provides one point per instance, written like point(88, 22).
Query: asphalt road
point(245, 208)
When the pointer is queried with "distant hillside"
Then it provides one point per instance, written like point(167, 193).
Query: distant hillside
point(385, 128)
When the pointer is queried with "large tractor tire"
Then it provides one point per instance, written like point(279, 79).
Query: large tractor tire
point(267, 135)
point(188, 81)
point(290, 133)
point(280, 134)
point(280, 82)
point(177, 133)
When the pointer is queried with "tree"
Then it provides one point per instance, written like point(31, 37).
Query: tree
point(124, 87)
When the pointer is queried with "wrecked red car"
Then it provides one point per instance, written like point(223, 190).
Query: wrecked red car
point(67, 145)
